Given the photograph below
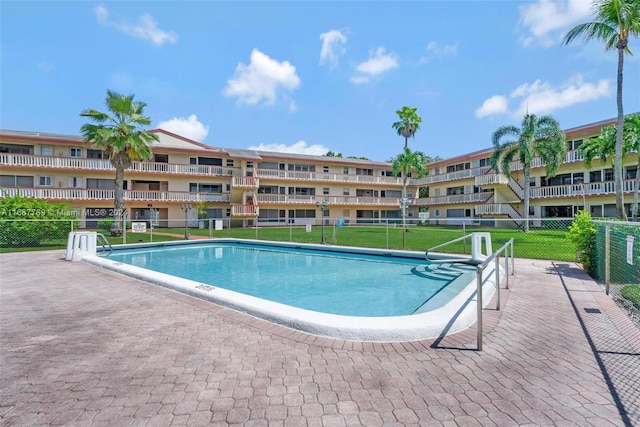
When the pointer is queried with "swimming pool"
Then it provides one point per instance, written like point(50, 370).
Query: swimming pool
point(342, 292)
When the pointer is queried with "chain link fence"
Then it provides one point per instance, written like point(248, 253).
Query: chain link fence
point(616, 263)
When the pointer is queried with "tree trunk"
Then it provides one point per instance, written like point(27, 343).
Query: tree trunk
point(617, 164)
point(635, 209)
point(527, 173)
point(118, 204)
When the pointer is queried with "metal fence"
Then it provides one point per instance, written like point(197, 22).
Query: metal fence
point(616, 262)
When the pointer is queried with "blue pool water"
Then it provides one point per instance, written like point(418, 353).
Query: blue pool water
point(324, 281)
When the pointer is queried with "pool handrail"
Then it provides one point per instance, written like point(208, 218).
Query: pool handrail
point(479, 271)
point(104, 240)
point(456, 258)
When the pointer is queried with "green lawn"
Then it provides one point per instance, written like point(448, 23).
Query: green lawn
point(538, 244)
point(632, 293)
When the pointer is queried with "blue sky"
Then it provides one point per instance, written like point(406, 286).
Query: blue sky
point(309, 77)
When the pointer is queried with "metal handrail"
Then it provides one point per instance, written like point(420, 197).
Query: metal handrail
point(105, 240)
point(456, 260)
point(480, 269)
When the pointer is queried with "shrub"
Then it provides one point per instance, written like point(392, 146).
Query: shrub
point(582, 233)
point(26, 222)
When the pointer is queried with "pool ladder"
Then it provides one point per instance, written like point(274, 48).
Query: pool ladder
point(104, 242)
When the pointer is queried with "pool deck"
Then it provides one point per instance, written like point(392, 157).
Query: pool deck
point(80, 345)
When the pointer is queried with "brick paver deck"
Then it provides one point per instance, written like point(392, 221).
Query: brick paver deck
point(84, 346)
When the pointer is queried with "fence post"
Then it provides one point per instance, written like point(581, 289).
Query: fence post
point(211, 228)
point(506, 265)
point(387, 228)
point(479, 300)
point(497, 268)
point(124, 226)
point(464, 241)
point(607, 256)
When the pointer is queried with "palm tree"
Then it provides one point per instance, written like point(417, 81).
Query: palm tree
point(120, 134)
point(409, 123)
point(539, 136)
point(603, 147)
point(616, 20)
point(405, 163)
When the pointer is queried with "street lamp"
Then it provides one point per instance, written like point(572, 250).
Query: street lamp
point(186, 207)
point(323, 207)
point(404, 204)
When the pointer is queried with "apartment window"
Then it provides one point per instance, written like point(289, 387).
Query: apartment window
point(45, 181)
point(75, 152)
point(16, 181)
point(228, 213)
point(94, 154)
point(436, 171)
point(161, 158)
point(608, 174)
point(16, 149)
point(228, 188)
point(325, 191)
point(302, 191)
point(230, 163)
point(345, 170)
point(595, 176)
point(346, 213)
point(325, 169)
point(452, 191)
point(345, 191)
point(74, 182)
point(532, 211)
point(46, 150)
point(360, 171)
point(578, 178)
point(485, 162)
point(631, 172)
point(437, 213)
point(302, 168)
point(459, 167)
point(532, 182)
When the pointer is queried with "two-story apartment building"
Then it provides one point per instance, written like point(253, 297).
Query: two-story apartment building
point(270, 188)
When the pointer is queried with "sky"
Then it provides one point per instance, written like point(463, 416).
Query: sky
point(310, 76)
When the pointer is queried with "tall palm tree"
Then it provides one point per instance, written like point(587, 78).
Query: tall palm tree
point(603, 147)
point(540, 136)
point(616, 20)
point(119, 132)
point(405, 163)
point(409, 123)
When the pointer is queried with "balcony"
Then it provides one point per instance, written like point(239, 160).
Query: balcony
point(580, 190)
point(279, 199)
point(244, 210)
point(25, 160)
point(456, 198)
point(245, 182)
point(327, 177)
point(451, 176)
point(73, 194)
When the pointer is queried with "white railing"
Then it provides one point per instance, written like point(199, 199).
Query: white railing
point(451, 176)
point(491, 179)
point(103, 164)
point(579, 190)
point(246, 181)
point(104, 194)
point(327, 177)
point(497, 209)
point(244, 210)
point(458, 198)
point(332, 200)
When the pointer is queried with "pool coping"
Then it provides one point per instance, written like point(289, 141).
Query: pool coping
point(455, 316)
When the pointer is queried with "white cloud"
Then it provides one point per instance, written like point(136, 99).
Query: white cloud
point(448, 49)
point(147, 27)
point(261, 79)
point(300, 147)
point(189, 128)
point(543, 98)
point(333, 42)
point(497, 104)
point(548, 20)
point(379, 62)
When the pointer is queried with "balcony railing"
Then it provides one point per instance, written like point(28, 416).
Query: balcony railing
point(244, 210)
point(105, 165)
point(327, 177)
point(265, 199)
point(246, 182)
point(579, 190)
point(491, 179)
point(497, 209)
point(104, 194)
point(451, 176)
point(456, 198)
